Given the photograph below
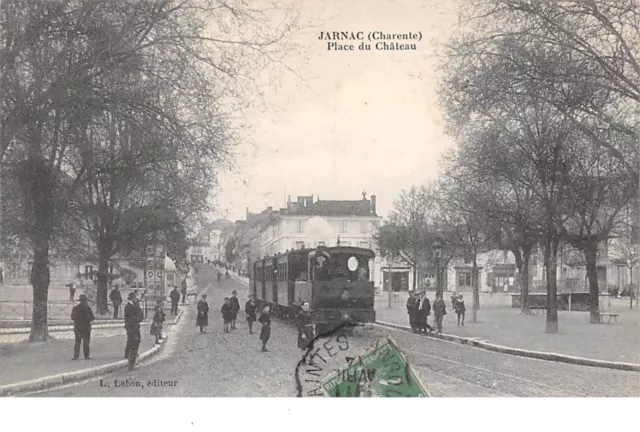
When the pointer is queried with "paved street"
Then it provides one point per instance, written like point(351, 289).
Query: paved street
point(218, 364)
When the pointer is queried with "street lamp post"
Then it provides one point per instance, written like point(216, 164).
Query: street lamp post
point(437, 253)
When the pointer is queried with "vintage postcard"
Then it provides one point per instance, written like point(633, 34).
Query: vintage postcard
point(319, 198)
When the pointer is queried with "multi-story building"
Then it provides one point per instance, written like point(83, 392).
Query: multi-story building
point(307, 223)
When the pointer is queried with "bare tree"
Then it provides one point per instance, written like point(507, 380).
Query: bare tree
point(410, 233)
point(63, 63)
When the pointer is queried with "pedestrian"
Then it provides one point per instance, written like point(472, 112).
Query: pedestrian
point(304, 322)
point(133, 316)
point(82, 315)
point(202, 320)
point(250, 310)
point(235, 307)
point(227, 275)
point(184, 290)
point(265, 332)
point(411, 300)
point(116, 299)
point(72, 291)
point(157, 322)
point(454, 299)
point(227, 314)
point(174, 295)
point(218, 277)
point(460, 309)
point(439, 311)
point(423, 310)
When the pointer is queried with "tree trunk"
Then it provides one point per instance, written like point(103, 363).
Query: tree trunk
point(551, 257)
point(476, 290)
point(102, 281)
point(590, 254)
point(525, 278)
point(415, 275)
point(40, 282)
point(38, 195)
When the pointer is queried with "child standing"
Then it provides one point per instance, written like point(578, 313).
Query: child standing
point(227, 314)
point(460, 309)
point(158, 319)
point(265, 332)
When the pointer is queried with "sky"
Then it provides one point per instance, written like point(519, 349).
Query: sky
point(352, 120)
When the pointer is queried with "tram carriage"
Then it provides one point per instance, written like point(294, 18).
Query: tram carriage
point(335, 280)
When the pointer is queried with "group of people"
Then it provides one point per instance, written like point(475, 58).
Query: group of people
point(419, 309)
point(229, 312)
point(82, 317)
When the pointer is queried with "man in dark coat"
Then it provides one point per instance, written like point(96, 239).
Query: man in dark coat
point(235, 307)
point(133, 316)
point(411, 311)
point(174, 295)
point(423, 309)
point(82, 315)
point(439, 311)
point(72, 291)
point(116, 299)
point(304, 322)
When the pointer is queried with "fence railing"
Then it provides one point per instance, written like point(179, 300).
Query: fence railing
point(23, 310)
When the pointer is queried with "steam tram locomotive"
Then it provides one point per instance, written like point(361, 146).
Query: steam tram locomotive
point(336, 281)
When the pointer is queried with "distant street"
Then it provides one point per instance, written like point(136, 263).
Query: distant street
point(218, 364)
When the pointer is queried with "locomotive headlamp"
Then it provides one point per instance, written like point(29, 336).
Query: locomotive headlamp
point(352, 263)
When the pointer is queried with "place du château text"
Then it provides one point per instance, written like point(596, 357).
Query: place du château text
point(381, 41)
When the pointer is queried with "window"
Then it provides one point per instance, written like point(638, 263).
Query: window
point(467, 258)
point(300, 227)
point(299, 245)
point(345, 243)
point(343, 226)
point(464, 279)
point(364, 244)
point(321, 243)
point(364, 227)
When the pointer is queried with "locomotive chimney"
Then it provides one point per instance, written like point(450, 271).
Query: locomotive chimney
point(373, 205)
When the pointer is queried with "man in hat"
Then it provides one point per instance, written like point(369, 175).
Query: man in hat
point(423, 309)
point(411, 310)
point(174, 295)
point(116, 299)
point(235, 307)
point(133, 316)
point(82, 315)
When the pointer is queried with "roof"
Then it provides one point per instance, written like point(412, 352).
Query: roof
point(334, 208)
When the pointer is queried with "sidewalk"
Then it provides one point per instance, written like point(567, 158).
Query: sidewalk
point(27, 361)
point(503, 325)
point(24, 361)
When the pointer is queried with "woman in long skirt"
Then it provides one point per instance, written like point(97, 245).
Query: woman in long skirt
point(305, 328)
point(265, 332)
point(203, 314)
point(158, 320)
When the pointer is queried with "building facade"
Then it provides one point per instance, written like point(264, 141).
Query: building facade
point(307, 223)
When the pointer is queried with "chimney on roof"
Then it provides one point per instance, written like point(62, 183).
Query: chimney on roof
point(364, 195)
point(373, 205)
point(289, 199)
point(247, 215)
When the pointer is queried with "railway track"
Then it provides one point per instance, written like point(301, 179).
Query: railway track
point(502, 383)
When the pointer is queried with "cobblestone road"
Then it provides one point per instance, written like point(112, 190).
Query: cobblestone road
point(219, 364)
